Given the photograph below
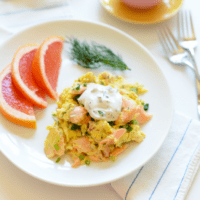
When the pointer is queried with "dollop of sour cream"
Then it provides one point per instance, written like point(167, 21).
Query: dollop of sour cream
point(102, 102)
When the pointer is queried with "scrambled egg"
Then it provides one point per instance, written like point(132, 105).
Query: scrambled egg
point(85, 139)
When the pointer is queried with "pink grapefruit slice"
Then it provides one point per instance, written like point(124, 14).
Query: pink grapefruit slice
point(23, 77)
point(13, 104)
point(46, 64)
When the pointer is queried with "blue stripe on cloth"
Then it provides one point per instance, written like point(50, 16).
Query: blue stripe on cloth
point(133, 182)
point(34, 10)
point(170, 159)
point(186, 169)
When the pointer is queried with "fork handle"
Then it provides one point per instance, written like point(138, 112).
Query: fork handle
point(191, 54)
point(198, 96)
point(197, 80)
point(192, 67)
point(191, 51)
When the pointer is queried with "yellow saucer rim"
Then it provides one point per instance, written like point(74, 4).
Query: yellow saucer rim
point(143, 22)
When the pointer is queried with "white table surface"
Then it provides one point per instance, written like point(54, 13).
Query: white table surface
point(15, 184)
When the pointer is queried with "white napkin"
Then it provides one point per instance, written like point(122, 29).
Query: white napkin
point(169, 174)
point(16, 14)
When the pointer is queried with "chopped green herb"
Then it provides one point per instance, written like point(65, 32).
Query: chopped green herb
point(84, 84)
point(88, 114)
point(142, 103)
point(96, 144)
point(135, 122)
point(54, 117)
point(134, 89)
point(76, 97)
point(104, 143)
point(146, 106)
point(86, 133)
point(102, 83)
point(58, 160)
point(81, 157)
point(77, 87)
point(64, 113)
point(87, 162)
point(75, 127)
point(92, 119)
point(56, 147)
point(101, 113)
point(94, 55)
point(111, 123)
point(128, 127)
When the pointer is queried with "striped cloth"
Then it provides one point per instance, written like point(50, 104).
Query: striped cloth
point(17, 14)
point(169, 174)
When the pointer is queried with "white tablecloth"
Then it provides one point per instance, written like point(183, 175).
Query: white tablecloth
point(15, 184)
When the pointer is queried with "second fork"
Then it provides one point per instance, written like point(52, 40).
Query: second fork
point(177, 55)
point(173, 51)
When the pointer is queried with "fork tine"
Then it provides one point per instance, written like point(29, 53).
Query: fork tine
point(187, 23)
point(167, 39)
point(164, 44)
point(181, 26)
point(175, 43)
point(191, 24)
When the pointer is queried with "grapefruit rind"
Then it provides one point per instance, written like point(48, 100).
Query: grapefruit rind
point(10, 113)
point(18, 82)
point(38, 66)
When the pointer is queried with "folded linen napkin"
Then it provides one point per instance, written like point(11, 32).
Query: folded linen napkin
point(17, 14)
point(169, 174)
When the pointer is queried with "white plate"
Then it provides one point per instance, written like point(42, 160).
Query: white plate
point(24, 146)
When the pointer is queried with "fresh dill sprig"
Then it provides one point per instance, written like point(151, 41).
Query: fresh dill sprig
point(94, 55)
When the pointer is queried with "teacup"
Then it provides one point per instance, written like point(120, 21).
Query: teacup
point(141, 4)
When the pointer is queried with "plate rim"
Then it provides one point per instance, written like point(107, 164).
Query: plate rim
point(139, 45)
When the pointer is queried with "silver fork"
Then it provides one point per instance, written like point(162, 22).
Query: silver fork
point(187, 39)
point(176, 55)
point(173, 51)
point(186, 34)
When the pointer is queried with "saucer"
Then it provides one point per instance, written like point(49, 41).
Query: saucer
point(159, 13)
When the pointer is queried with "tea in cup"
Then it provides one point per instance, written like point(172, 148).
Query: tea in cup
point(141, 4)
